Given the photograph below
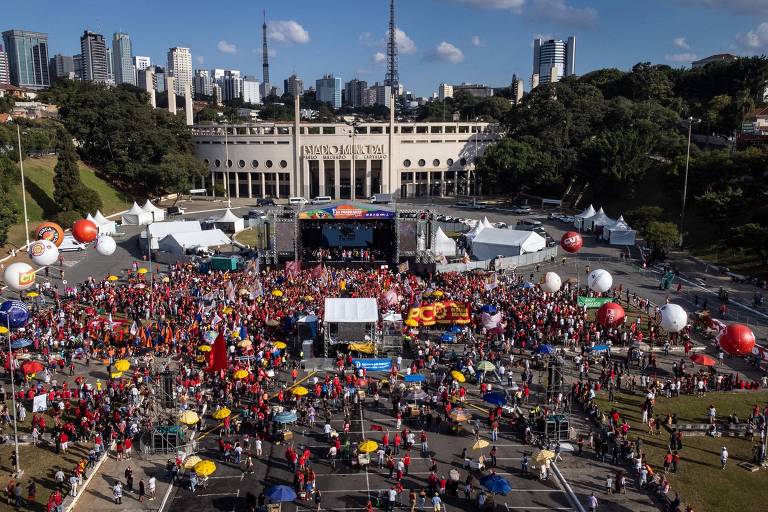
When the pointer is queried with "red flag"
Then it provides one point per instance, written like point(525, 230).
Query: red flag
point(376, 428)
point(219, 361)
point(317, 271)
point(292, 268)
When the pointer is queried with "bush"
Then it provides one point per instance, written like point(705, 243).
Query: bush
point(66, 219)
point(89, 201)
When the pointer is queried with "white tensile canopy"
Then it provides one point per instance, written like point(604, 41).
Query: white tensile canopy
point(491, 243)
point(487, 224)
point(106, 226)
point(136, 216)
point(179, 243)
point(598, 219)
point(475, 231)
point(159, 230)
point(229, 222)
point(157, 213)
point(578, 219)
point(351, 311)
point(619, 233)
point(444, 244)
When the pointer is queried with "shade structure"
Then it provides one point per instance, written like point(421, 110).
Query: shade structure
point(280, 345)
point(205, 468)
point(142, 271)
point(459, 415)
point(300, 391)
point(486, 366)
point(416, 377)
point(546, 349)
point(189, 418)
point(32, 295)
point(31, 367)
point(454, 329)
point(416, 394)
point(3, 329)
point(191, 462)
point(280, 494)
point(241, 374)
point(204, 348)
point(495, 398)
point(122, 365)
point(368, 446)
point(703, 359)
point(480, 444)
point(496, 484)
point(277, 293)
point(222, 413)
point(115, 375)
point(448, 337)
point(112, 278)
point(489, 308)
point(543, 455)
point(285, 417)
point(600, 348)
point(458, 376)
point(17, 344)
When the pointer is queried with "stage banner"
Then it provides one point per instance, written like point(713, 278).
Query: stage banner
point(444, 312)
point(592, 302)
point(373, 365)
point(346, 211)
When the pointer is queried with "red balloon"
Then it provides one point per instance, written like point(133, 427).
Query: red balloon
point(610, 314)
point(571, 241)
point(85, 231)
point(737, 340)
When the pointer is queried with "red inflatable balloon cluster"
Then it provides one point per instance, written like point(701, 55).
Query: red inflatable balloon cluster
point(571, 241)
point(737, 340)
point(610, 314)
point(85, 231)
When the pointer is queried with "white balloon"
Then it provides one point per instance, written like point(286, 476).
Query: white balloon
point(600, 280)
point(19, 276)
point(105, 245)
point(43, 252)
point(673, 318)
point(552, 282)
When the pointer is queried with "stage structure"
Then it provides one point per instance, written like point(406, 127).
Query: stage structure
point(167, 437)
point(350, 321)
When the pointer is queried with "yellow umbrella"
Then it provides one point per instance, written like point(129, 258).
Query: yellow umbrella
point(189, 418)
point(411, 322)
point(116, 375)
point(300, 391)
point(279, 345)
point(204, 348)
point(368, 446)
point(200, 359)
point(3, 329)
point(142, 271)
point(166, 279)
point(277, 293)
point(222, 413)
point(244, 344)
point(227, 310)
point(122, 365)
point(480, 444)
point(191, 462)
point(112, 278)
point(241, 374)
point(205, 468)
point(309, 298)
point(32, 295)
point(543, 455)
point(437, 293)
point(457, 375)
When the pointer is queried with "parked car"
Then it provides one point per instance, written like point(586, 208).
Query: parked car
point(463, 204)
point(528, 225)
point(265, 201)
point(381, 199)
point(521, 210)
point(297, 201)
point(321, 200)
point(256, 214)
point(175, 210)
point(568, 219)
point(480, 205)
point(69, 244)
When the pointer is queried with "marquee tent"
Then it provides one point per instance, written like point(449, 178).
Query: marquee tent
point(106, 226)
point(578, 219)
point(229, 222)
point(619, 233)
point(159, 230)
point(491, 243)
point(475, 231)
point(486, 224)
point(157, 213)
point(444, 244)
point(179, 243)
point(136, 216)
point(598, 219)
point(351, 311)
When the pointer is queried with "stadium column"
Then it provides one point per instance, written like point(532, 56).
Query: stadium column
point(250, 184)
point(237, 184)
point(429, 183)
point(337, 180)
point(297, 160)
point(367, 178)
point(263, 184)
point(321, 177)
point(442, 183)
point(305, 177)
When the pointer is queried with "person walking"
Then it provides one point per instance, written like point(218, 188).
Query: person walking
point(592, 502)
point(723, 457)
point(192, 481)
point(117, 493)
point(143, 490)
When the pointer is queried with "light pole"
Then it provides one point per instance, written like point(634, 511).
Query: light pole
point(352, 181)
point(23, 190)
point(11, 368)
point(691, 120)
point(226, 164)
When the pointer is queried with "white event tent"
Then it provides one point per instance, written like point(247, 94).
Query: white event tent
point(106, 226)
point(159, 230)
point(179, 243)
point(619, 233)
point(475, 231)
point(578, 219)
point(158, 214)
point(444, 245)
point(491, 243)
point(136, 216)
point(598, 219)
point(229, 222)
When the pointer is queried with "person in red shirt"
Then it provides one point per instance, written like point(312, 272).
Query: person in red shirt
point(407, 461)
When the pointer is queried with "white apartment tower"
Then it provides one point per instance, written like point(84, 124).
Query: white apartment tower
point(180, 67)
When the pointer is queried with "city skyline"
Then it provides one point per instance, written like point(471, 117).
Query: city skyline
point(477, 41)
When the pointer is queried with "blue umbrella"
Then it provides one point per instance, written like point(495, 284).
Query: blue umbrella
point(528, 285)
point(489, 308)
point(455, 329)
point(495, 398)
point(601, 348)
point(546, 349)
point(280, 494)
point(447, 338)
point(24, 342)
point(285, 417)
point(495, 484)
point(414, 378)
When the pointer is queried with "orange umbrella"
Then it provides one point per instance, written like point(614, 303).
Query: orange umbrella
point(703, 359)
point(32, 367)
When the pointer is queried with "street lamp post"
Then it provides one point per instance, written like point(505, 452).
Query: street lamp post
point(352, 181)
point(23, 187)
point(691, 120)
point(226, 164)
point(11, 361)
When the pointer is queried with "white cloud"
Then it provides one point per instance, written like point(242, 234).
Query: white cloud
point(445, 52)
point(200, 60)
point(680, 42)
point(288, 31)
point(739, 7)
point(681, 57)
point(512, 5)
point(404, 43)
point(225, 47)
point(754, 40)
point(367, 39)
point(378, 58)
point(476, 41)
point(558, 12)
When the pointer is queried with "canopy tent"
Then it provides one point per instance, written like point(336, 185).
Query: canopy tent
point(578, 219)
point(106, 226)
point(229, 222)
point(475, 231)
point(157, 213)
point(619, 233)
point(355, 311)
point(486, 223)
point(491, 243)
point(136, 216)
point(159, 230)
point(179, 243)
point(598, 219)
point(444, 244)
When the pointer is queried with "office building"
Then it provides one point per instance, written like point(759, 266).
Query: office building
point(160, 76)
point(231, 85)
point(122, 60)
point(62, 67)
point(5, 77)
point(355, 92)
point(444, 91)
point(718, 57)
point(383, 95)
point(110, 70)
point(27, 58)
point(180, 67)
point(251, 93)
point(554, 58)
point(217, 93)
point(329, 90)
point(93, 53)
point(476, 90)
point(140, 62)
point(518, 90)
point(202, 83)
point(368, 97)
point(77, 64)
point(293, 85)
point(146, 80)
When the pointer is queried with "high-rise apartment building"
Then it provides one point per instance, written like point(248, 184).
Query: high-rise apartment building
point(159, 78)
point(355, 92)
point(122, 60)
point(5, 77)
point(202, 83)
point(180, 67)
point(62, 67)
point(476, 90)
point(140, 62)
point(231, 84)
point(329, 90)
point(554, 58)
point(27, 58)
point(518, 89)
point(94, 57)
point(251, 93)
point(444, 91)
point(293, 85)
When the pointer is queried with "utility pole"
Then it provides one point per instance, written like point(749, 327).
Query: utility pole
point(691, 120)
point(23, 192)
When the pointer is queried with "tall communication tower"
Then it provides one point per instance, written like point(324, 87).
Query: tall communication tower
point(392, 78)
point(265, 57)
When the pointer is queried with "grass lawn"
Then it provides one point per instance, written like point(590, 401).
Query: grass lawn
point(700, 481)
point(249, 236)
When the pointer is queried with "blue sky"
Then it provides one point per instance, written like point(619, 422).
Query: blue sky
point(450, 41)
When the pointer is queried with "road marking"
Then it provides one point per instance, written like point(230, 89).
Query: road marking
point(362, 433)
point(514, 489)
point(165, 498)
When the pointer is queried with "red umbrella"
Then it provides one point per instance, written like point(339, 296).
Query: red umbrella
point(703, 360)
point(32, 367)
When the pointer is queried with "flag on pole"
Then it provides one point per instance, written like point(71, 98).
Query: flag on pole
point(219, 361)
point(292, 268)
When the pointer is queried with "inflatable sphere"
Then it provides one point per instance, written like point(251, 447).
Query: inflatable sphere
point(43, 252)
point(551, 283)
point(610, 314)
point(105, 245)
point(673, 318)
point(85, 231)
point(13, 314)
point(737, 340)
point(571, 241)
point(599, 280)
point(50, 231)
point(19, 276)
